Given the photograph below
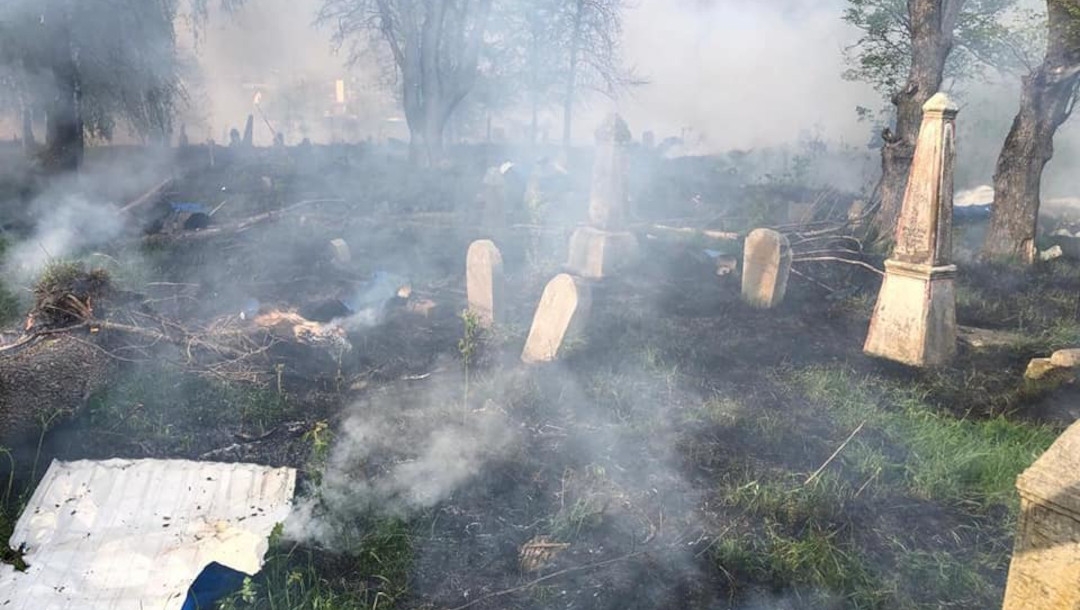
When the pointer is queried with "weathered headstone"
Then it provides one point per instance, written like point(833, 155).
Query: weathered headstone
point(249, 131)
point(493, 199)
point(914, 321)
point(600, 249)
point(766, 266)
point(1045, 569)
point(339, 251)
point(561, 314)
point(484, 282)
point(648, 140)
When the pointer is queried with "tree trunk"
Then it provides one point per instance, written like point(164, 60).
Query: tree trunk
point(1046, 101)
point(29, 142)
point(64, 126)
point(571, 77)
point(932, 25)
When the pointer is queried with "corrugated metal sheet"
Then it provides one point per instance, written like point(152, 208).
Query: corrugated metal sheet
point(134, 534)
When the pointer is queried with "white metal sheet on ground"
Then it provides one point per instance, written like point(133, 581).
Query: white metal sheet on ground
point(134, 534)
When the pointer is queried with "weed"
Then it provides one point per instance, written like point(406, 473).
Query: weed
point(167, 408)
point(467, 346)
point(792, 503)
point(816, 562)
point(935, 579)
point(9, 304)
point(319, 437)
point(9, 507)
point(373, 574)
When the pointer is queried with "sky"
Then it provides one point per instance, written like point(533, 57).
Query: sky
point(743, 73)
point(738, 74)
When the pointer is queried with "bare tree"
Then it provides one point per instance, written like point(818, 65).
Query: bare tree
point(590, 39)
point(1047, 98)
point(435, 46)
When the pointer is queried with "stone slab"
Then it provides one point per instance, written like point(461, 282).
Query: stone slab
point(766, 267)
point(1045, 569)
point(914, 320)
point(484, 282)
point(561, 315)
point(597, 254)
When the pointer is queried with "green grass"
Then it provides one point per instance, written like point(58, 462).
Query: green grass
point(10, 310)
point(791, 502)
point(935, 455)
point(373, 573)
point(816, 565)
point(167, 408)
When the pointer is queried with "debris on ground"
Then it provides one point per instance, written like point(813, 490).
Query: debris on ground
point(134, 534)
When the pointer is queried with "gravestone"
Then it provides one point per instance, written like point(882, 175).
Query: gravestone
point(484, 282)
point(766, 266)
point(561, 315)
point(914, 321)
point(600, 249)
point(493, 199)
point(648, 140)
point(1045, 569)
point(339, 252)
point(249, 132)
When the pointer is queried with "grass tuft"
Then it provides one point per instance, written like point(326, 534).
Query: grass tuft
point(937, 456)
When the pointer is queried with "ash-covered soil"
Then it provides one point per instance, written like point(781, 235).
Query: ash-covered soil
point(681, 455)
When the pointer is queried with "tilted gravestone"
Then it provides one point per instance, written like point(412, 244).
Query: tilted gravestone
point(484, 282)
point(1045, 569)
point(766, 266)
point(914, 321)
point(600, 249)
point(561, 315)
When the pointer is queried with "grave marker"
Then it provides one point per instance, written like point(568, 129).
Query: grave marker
point(914, 321)
point(766, 266)
point(484, 282)
point(561, 314)
point(1045, 569)
point(600, 249)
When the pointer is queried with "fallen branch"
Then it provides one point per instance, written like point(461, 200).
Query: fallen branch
point(236, 227)
point(691, 233)
point(533, 583)
point(834, 454)
point(291, 428)
point(836, 259)
point(148, 197)
point(810, 279)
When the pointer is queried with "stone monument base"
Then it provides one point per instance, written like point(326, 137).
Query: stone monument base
point(1044, 571)
point(596, 254)
point(915, 317)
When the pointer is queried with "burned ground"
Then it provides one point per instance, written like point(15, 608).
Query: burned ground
point(681, 455)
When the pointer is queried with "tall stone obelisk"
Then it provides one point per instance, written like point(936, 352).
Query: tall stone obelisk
point(914, 320)
point(600, 249)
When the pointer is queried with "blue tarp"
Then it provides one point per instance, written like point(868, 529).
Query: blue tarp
point(190, 208)
point(214, 584)
point(972, 213)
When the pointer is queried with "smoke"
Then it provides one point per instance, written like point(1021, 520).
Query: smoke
point(79, 212)
point(401, 451)
point(69, 223)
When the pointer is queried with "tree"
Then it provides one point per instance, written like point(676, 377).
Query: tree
point(88, 64)
point(905, 52)
point(435, 45)
point(590, 40)
point(1048, 96)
